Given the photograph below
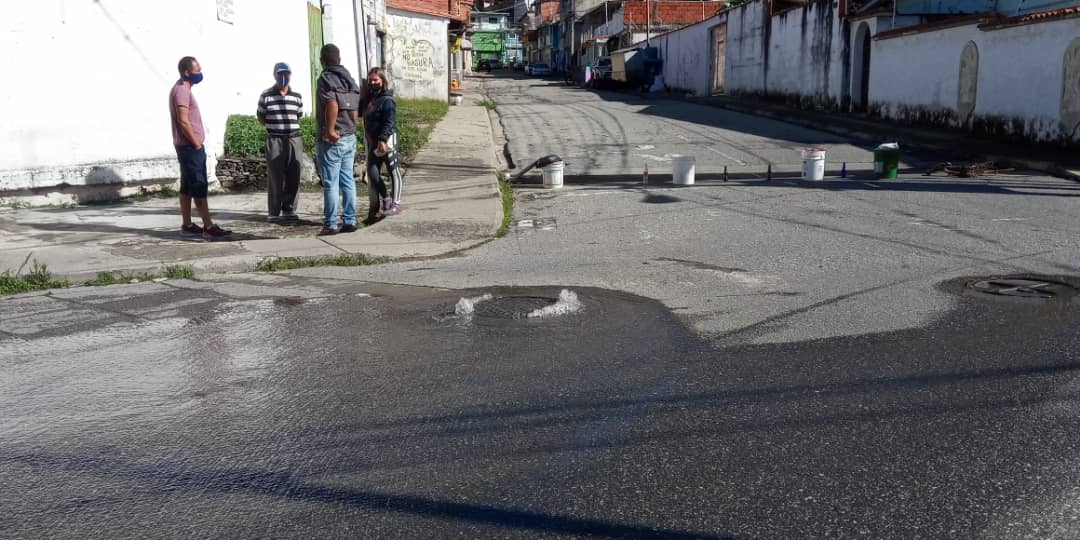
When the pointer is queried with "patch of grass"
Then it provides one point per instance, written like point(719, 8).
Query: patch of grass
point(38, 279)
point(110, 278)
point(507, 204)
point(292, 263)
point(179, 271)
point(487, 103)
point(168, 191)
point(416, 118)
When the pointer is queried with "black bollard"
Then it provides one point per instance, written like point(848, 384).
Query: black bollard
point(725, 173)
point(768, 177)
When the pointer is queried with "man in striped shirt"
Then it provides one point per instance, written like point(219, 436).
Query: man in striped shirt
point(279, 110)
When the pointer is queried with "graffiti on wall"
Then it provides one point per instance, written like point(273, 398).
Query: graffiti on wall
point(418, 61)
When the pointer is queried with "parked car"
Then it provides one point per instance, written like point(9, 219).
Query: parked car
point(495, 64)
point(539, 70)
point(603, 69)
point(483, 65)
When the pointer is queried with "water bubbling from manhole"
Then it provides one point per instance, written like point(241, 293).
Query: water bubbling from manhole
point(568, 303)
point(513, 307)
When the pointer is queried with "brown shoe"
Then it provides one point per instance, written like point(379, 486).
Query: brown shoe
point(214, 231)
point(327, 231)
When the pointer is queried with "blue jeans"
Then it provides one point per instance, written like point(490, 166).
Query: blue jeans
point(335, 162)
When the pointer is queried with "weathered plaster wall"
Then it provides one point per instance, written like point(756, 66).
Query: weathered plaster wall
point(687, 56)
point(417, 54)
point(798, 54)
point(93, 109)
point(1020, 79)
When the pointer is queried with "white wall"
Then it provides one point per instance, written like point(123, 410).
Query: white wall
point(94, 78)
point(1020, 75)
point(417, 54)
point(687, 56)
point(801, 51)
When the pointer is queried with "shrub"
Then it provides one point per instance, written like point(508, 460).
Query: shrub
point(244, 136)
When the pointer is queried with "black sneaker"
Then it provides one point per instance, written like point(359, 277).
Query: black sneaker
point(346, 228)
point(191, 231)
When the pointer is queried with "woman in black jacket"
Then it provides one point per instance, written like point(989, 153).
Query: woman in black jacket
point(380, 124)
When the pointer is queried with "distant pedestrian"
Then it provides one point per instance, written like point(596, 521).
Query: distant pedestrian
point(338, 111)
point(280, 109)
point(188, 138)
point(380, 128)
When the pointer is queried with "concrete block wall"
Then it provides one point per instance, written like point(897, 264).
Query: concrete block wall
point(440, 8)
point(127, 56)
point(1021, 88)
point(687, 56)
point(799, 54)
point(666, 13)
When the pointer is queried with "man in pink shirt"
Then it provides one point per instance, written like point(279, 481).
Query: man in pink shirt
point(188, 137)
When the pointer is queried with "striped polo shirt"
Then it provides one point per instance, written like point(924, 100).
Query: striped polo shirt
point(282, 112)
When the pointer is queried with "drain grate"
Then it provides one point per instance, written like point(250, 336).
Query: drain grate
point(1022, 288)
point(512, 307)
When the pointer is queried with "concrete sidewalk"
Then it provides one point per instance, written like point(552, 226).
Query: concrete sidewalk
point(451, 202)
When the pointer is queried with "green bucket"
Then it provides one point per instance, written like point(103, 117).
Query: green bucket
point(886, 161)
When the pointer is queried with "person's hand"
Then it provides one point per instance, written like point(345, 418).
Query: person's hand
point(333, 136)
point(198, 146)
point(383, 150)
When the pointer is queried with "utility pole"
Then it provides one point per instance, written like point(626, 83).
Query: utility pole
point(573, 42)
point(648, 24)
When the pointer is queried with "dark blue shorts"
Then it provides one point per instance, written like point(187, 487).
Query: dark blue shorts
point(193, 181)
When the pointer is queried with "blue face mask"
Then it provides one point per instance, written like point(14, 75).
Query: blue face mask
point(195, 78)
point(283, 81)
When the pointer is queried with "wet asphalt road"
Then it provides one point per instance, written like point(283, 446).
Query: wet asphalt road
point(223, 412)
point(752, 361)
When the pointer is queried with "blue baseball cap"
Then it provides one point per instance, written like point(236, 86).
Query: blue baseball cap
point(281, 66)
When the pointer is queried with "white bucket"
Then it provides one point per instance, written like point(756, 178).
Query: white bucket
point(682, 170)
point(813, 164)
point(553, 174)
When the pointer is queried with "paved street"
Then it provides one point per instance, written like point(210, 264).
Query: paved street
point(749, 360)
point(607, 134)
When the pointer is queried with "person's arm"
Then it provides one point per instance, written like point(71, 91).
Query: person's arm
point(260, 113)
point(330, 119)
point(185, 126)
point(386, 131)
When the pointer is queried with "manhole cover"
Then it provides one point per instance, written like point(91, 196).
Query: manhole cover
point(512, 307)
point(1022, 288)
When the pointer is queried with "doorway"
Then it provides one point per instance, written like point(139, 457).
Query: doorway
point(861, 63)
point(719, 38)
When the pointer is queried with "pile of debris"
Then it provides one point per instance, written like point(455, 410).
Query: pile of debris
point(970, 169)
